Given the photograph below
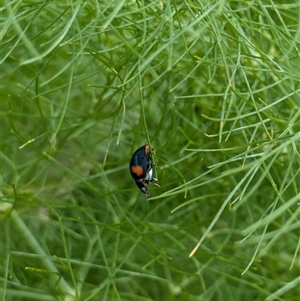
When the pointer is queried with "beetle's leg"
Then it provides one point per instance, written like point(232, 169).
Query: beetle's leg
point(155, 180)
point(153, 152)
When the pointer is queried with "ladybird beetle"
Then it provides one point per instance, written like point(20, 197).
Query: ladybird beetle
point(141, 168)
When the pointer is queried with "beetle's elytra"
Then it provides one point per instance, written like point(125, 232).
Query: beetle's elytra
point(141, 168)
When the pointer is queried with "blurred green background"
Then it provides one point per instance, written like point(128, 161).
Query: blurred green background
point(213, 86)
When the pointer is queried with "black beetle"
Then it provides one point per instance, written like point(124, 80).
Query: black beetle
point(141, 168)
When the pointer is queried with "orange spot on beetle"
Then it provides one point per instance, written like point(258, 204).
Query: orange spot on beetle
point(136, 169)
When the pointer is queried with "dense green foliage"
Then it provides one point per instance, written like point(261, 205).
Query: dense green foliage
point(213, 86)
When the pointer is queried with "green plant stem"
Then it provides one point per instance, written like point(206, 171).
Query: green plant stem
point(61, 283)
